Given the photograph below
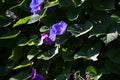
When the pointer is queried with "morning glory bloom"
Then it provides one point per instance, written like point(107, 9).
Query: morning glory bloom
point(36, 76)
point(75, 76)
point(36, 6)
point(87, 76)
point(57, 29)
point(46, 39)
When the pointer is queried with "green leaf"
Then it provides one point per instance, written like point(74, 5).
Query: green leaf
point(17, 53)
point(4, 22)
point(22, 41)
point(64, 2)
point(34, 18)
point(113, 52)
point(103, 18)
point(44, 29)
point(49, 54)
point(110, 67)
point(80, 29)
point(91, 70)
point(3, 1)
point(32, 53)
point(89, 52)
point(78, 2)
point(116, 18)
point(62, 38)
point(11, 14)
point(67, 54)
point(10, 34)
point(4, 70)
point(103, 5)
point(109, 5)
point(99, 29)
point(51, 4)
point(62, 77)
point(72, 14)
point(21, 21)
point(23, 64)
point(23, 75)
point(32, 40)
point(111, 37)
point(18, 5)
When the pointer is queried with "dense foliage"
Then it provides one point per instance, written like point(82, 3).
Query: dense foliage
point(60, 40)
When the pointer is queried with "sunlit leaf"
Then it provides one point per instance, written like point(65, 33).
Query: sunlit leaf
point(22, 21)
point(34, 18)
point(91, 70)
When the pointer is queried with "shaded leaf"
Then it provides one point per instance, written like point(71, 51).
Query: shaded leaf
point(49, 54)
point(67, 54)
point(18, 5)
point(72, 14)
point(99, 29)
point(103, 5)
point(89, 52)
point(44, 29)
point(4, 70)
point(10, 34)
point(32, 53)
point(80, 29)
point(62, 77)
point(4, 22)
point(17, 53)
point(78, 2)
point(62, 38)
point(115, 18)
point(22, 41)
point(110, 67)
point(10, 14)
point(23, 64)
point(23, 75)
point(51, 4)
point(113, 52)
point(64, 2)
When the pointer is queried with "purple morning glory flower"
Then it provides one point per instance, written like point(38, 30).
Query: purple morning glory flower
point(57, 29)
point(87, 76)
point(46, 39)
point(75, 76)
point(36, 6)
point(36, 76)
